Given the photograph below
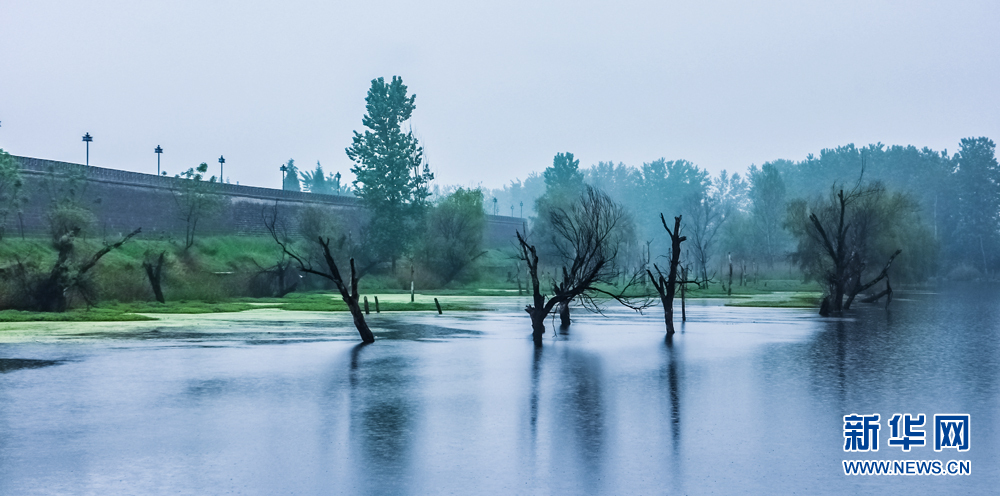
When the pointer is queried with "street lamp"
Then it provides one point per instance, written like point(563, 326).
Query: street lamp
point(222, 165)
point(284, 169)
point(512, 210)
point(522, 209)
point(494, 205)
point(87, 138)
point(158, 151)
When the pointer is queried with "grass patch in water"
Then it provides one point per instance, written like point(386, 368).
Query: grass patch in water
point(92, 315)
point(780, 300)
point(193, 307)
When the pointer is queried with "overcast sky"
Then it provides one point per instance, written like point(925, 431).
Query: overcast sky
point(501, 86)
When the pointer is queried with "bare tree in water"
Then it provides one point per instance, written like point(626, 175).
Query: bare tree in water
point(587, 238)
point(841, 236)
point(326, 269)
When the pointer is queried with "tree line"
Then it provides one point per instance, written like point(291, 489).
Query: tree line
point(852, 219)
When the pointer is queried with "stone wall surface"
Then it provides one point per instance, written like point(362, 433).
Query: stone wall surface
point(123, 201)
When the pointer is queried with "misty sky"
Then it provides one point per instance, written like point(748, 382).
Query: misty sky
point(501, 86)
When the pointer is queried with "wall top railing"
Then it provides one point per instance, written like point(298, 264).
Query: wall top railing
point(37, 166)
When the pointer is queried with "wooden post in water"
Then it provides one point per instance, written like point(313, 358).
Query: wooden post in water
point(366, 305)
point(684, 277)
point(438, 305)
point(730, 274)
point(376, 305)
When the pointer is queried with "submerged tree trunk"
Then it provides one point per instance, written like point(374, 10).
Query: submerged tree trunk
point(666, 286)
point(564, 314)
point(348, 290)
point(538, 309)
point(153, 273)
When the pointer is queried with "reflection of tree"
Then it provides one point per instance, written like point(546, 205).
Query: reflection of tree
point(580, 413)
point(671, 375)
point(381, 420)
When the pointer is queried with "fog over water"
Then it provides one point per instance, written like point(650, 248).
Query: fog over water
point(741, 399)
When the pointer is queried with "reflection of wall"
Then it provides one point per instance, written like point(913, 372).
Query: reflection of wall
point(123, 201)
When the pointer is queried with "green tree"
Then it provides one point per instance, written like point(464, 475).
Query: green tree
point(67, 212)
point(978, 187)
point(709, 211)
point(453, 234)
point(563, 186)
point(315, 181)
point(849, 239)
point(195, 200)
point(767, 209)
point(387, 167)
point(291, 181)
point(11, 189)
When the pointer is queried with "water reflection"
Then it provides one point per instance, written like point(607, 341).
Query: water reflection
point(383, 412)
point(739, 400)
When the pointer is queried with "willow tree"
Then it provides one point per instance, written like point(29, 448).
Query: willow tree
point(849, 240)
point(587, 238)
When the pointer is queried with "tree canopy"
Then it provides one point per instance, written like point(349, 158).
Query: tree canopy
point(391, 177)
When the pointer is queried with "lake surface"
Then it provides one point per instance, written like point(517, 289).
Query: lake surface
point(743, 400)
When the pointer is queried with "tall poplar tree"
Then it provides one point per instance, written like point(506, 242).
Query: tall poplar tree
point(391, 178)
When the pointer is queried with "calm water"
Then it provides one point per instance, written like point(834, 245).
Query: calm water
point(743, 401)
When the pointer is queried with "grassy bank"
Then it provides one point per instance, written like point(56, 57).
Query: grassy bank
point(231, 274)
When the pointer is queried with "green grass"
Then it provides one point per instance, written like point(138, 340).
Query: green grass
point(191, 307)
point(92, 315)
point(781, 300)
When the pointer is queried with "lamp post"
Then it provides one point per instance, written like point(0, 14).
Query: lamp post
point(87, 138)
point(158, 151)
point(222, 165)
point(494, 205)
point(284, 169)
point(522, 209)
point(512, 210)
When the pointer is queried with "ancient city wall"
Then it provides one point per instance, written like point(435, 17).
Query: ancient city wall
point(123, 201)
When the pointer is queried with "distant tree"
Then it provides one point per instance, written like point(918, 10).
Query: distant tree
point(709, 210)
point(196, 200)
point(563, 186)
point(668, 186)
point(453, 234)
point(328, 184)
point(977, 178)
point(387, 167)
point(767, 208)
point(12, 198)
point(587, 237)
point(316, 181)
point(66, 190)
point(291, 181)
